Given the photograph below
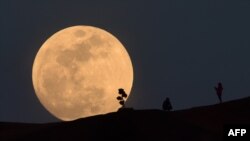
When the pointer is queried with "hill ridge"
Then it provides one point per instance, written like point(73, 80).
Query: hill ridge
point(197, 123)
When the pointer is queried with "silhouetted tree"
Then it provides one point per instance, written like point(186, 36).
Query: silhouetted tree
point(122, 97)
point(167, 105)
point(219, 90)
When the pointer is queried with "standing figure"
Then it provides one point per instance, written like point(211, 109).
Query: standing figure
point(219, 90)
point(167, 105)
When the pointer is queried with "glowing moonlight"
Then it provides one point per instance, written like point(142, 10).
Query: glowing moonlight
point(77, 72)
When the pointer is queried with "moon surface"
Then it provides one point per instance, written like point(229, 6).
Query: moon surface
point(77, 72)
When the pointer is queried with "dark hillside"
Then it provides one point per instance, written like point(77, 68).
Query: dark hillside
point(195, 124)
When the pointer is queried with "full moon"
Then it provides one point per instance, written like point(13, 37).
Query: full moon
point(77, 72)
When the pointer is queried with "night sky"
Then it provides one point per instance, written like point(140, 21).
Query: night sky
point(179, 49)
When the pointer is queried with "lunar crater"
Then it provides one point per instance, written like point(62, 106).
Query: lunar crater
point(79, 53)
point(96, 40)
point(79, 33)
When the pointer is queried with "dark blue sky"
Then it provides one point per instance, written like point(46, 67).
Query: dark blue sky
point(179, 48)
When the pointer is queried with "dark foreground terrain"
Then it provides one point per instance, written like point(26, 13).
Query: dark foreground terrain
point(196, 124)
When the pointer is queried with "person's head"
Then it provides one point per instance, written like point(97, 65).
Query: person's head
point(220, 84)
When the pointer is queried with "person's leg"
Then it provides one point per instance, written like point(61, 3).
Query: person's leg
point(220, 98)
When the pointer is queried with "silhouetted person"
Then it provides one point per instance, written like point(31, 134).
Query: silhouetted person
point(167, 105)
point(219, 90)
